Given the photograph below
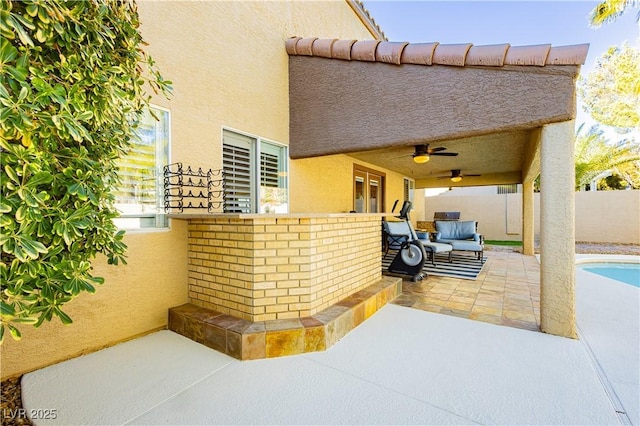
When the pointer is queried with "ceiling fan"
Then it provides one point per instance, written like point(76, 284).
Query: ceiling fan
point(423, 153)
point(456, 176)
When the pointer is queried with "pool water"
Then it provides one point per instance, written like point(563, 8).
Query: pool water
point(628, 273)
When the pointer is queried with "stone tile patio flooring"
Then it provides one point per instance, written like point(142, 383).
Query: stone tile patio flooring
point(507, 292)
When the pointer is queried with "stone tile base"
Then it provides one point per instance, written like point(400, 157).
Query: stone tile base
point(246, 340)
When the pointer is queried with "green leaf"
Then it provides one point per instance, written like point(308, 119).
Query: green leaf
point(6, 310)
point(15, 333)
point(4, 206)
point(22, 34)
point(8, 53)
point(40, 179)
point(66, 319)
point(32, 10)
point(12, 174)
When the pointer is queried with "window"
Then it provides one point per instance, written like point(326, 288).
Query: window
point(409, 189)
point(508, 189)
point(140, 192)
point(368, 190)
point(253, 186)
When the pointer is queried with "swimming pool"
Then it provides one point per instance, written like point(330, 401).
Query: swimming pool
point(628, 273)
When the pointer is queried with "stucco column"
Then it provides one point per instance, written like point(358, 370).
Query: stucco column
point(528, 219)
point(557, 231)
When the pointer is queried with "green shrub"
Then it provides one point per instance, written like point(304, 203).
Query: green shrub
point(72, 89)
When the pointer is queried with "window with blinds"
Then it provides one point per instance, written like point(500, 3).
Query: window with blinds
point(237, 160)
point(252, 186)
point(140, 191)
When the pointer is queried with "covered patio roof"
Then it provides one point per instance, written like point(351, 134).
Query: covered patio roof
point(376, 100)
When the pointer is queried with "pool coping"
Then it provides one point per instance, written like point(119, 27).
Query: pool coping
point(606, 258)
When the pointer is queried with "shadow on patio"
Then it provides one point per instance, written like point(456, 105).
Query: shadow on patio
point(507, 292)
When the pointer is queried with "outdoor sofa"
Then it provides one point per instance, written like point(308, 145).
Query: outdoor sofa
point(461, 235)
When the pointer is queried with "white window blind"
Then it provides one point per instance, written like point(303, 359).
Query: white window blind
point(237, 159)
point(252, 186)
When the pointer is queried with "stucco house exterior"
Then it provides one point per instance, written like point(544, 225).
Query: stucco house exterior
point(312, 114)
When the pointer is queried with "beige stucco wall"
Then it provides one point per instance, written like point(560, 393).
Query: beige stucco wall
point(325, 184)
point(601, 216)
point(229, 67)
point(133, 300)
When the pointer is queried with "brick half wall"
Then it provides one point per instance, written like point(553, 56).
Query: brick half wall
point(262, 268)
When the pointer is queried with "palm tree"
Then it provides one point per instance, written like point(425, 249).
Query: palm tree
point(609, 10)
point(594, 156)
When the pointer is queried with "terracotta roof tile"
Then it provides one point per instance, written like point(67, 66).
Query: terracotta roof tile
point(341, 49)
point(492, 55)
point(305, 46)
point(451, 54)
point(322, 47)
point(390, 52)
point(291, 44)
point(364, 50)
point(440, 54)
point(418, 53)
point(567, 55)
point(528, 55)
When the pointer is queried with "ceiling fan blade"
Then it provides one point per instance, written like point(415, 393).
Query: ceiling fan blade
point(472, 175)
point(432, 150)
point(448, 154)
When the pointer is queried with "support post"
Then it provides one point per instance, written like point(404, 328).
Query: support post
point(557, 230)
point(528, 219)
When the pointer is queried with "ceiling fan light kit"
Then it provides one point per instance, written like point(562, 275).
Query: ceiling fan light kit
point(423, 153)
point(421, 158)
point(456, 178)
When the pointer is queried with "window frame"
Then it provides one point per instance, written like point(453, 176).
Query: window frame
point(162, 222)
point(360, 171)
point(256, 168)
point(409, 189)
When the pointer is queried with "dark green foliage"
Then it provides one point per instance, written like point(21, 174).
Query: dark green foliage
point(72, 77)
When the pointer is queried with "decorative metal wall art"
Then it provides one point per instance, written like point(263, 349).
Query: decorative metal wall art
point(192, 189)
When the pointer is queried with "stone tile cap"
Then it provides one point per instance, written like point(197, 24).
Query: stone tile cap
point(528, 55)
point(418, 53)
point(342, 49)
point(364, 50)
point(451, 54)
point(390, 52)
point(491, 55)
point(322, 47)
point(568, 55)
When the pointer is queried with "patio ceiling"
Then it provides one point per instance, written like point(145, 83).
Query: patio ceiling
point(376, 100)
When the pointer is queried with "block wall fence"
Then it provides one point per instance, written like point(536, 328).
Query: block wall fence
point(262, 268)
point(601, 216)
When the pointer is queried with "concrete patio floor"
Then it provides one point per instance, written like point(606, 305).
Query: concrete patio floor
point(402, 366)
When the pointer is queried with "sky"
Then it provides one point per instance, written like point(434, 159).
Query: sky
point(518, 23)
point(496, 22)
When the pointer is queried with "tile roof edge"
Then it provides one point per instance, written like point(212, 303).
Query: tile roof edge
point(463, 54)
point(367, 19)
